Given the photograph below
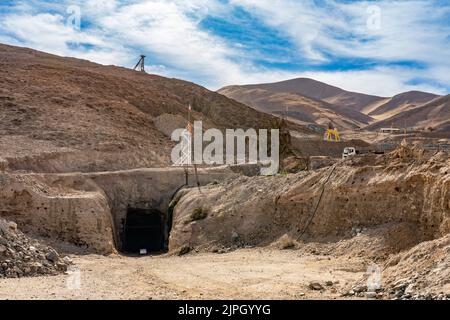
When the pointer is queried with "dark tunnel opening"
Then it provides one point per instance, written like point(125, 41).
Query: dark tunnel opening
point(144, 231)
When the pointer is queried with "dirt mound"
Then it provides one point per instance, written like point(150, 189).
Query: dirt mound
point(21, 256)
point(422, 272)
point(321, 205)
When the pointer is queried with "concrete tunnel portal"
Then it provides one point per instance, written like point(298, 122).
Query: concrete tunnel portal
point(145, 231)
point(139, 204)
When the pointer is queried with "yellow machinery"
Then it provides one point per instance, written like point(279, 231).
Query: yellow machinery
point(332, 134)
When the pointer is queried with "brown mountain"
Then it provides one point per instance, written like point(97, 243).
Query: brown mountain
point(77, 115)
point(311, 101)
point(402, 102)
point(308, 101)
point(296, 107)
point(434, 115)
point(320, 91)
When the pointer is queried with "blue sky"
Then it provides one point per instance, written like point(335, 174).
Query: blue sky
point(376, 47)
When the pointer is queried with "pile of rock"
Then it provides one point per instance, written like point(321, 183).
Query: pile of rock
point(361, 291)
point(403, 289)
point(408, 289)
point(21, 256)
point(420, 273)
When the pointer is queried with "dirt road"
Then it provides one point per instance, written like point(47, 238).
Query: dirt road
point(242, 274)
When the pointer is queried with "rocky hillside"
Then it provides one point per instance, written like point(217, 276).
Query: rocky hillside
point(320, 91)
point(434, 116)
point(64, 114)
point(296, 107)
point(311, 101)
point(402, 102)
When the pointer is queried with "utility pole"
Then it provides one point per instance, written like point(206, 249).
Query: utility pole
point(190, 128)
point(140, 64)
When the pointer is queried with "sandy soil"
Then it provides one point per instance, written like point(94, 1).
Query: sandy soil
point(242, 274)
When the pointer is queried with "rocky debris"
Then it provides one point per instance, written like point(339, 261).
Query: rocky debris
point(406, 289)
point(357, 231)
point(286, 242)
point(221, 250)
point(315, 286)
point(420, 273)
point(372, 295)
point(329, 283)
point(235, 238)
point(21, 256)
point(362, 291)
point(184, 250)
point(403, 289)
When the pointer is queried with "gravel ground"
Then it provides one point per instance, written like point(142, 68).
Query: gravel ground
point(242, 274)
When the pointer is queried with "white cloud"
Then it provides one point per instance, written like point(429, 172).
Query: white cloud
point(408, 29)
point(50, 33)
point(165, 29)
point(170, 32)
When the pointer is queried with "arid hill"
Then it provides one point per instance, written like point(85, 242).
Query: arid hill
point(311, 101)
point(402, 102)
point(349, 106)
point(297, 107)
point(321, 91)
point(64, 114)
point(434, 115)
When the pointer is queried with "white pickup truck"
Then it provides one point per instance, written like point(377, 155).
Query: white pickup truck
point(348, 152)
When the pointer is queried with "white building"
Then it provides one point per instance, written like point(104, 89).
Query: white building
point(390, 130)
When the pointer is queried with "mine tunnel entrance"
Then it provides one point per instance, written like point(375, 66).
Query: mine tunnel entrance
point(144, 229)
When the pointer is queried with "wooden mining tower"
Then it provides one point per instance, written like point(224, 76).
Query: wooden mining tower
point(141, 64)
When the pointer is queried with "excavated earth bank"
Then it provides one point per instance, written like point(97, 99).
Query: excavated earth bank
point(360, 192)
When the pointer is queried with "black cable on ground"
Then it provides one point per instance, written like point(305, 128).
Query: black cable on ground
point(318, 202)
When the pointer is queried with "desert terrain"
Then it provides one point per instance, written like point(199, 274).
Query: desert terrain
point(91, 207)
point(241, 274)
